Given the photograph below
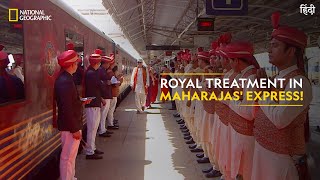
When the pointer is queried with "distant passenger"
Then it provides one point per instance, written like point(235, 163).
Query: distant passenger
point(11, 87)
point(155, 86)
point(139, 84)
point(18, 69)
point(151, 87)
point(92, 88)
point(69, 120)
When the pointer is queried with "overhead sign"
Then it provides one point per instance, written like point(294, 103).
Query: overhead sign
point(168, 53)
point(205, 24)
point(227, 7)
point(153, 47)
point(93, 11)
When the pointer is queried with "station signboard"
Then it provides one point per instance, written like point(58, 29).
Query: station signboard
point(227, 7)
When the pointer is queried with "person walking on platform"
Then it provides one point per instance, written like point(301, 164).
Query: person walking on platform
point(92, 88)
point(116, 81)
point(279, 131)
point(139, 84)
point(106, 94)
point(155, 88)
point(69, 119)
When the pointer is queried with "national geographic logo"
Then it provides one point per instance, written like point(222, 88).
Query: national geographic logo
point(13, 15)
point(16, 15)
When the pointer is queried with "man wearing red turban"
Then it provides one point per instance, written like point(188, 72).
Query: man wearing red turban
point(202, 123)
point(69, 121)
point(92, 88)
point(106, 94)
point(220, 143)
point(240, 118)
point(116, 81)
point(279, 130)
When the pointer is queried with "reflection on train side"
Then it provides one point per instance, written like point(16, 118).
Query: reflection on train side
point(11, 60)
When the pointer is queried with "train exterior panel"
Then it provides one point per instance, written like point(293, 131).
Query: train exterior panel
point(26, 134)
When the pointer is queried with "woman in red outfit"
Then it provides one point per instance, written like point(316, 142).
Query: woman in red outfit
point(150, 88)
point(155, 88)
point(164, 90)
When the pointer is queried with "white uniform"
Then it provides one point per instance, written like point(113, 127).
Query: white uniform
point(220, 140)
point(242, 145)
point(104, 114)
point(204, 125)
point(68, 155)
point(93, 119)
point(140, 96)
point(270, 165)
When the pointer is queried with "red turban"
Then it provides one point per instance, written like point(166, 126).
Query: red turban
point(70, 46)
point(289, 35)
point(204, 55)
point(67, 58)
point(243, 50)
point(94, 58)
point(98, 51)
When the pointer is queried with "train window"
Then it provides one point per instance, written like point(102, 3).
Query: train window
point(12, 73)
point(75, 42)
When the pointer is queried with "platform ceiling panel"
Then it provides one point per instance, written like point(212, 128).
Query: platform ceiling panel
point(167, 22)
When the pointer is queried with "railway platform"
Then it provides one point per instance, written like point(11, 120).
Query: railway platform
point(146, 147)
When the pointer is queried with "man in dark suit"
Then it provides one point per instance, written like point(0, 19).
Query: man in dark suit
point(92, 88)
point(69, 113)
point(106, 95)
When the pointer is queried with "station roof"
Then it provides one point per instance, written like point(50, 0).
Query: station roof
point(172, 22)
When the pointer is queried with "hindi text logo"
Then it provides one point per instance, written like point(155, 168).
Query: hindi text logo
point(306, 10)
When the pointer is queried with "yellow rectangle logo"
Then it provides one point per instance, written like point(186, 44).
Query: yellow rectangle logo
point(13, 15)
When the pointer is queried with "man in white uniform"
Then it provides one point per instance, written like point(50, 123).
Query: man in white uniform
point(139, 84)
point(279, 130)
